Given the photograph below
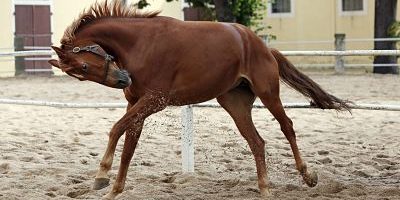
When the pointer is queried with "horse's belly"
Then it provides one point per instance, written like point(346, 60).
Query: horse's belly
point(200, 92)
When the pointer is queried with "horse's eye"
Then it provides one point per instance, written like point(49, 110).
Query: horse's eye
point(84, 67)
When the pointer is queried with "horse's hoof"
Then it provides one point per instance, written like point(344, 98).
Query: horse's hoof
point(100, 183)
point(312, 179)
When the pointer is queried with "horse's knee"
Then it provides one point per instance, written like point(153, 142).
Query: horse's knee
point(260, 140)
point(261, 144)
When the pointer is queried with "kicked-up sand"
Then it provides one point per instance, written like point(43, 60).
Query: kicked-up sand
point(54, 153)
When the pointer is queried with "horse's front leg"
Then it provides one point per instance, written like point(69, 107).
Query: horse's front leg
point(132, 122)
point(131, 140)
point(102, 180)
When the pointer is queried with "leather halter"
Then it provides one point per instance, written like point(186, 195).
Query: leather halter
point(95, 50)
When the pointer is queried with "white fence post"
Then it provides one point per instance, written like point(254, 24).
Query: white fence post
point(339, 46)
point(187, 139)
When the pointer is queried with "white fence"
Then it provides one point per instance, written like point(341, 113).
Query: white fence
point(27, 53)
point(286, 53)
point(339, 43)
point(272, 42)
point(343, 53)
point(359, 106)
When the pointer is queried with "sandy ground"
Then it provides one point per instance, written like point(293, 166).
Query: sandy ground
point(53, 153)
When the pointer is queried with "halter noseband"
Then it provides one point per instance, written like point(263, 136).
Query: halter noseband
point(95, 50)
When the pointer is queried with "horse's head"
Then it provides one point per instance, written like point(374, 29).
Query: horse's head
point(91, 62)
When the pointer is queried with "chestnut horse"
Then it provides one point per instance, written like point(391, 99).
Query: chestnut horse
point(160, 61)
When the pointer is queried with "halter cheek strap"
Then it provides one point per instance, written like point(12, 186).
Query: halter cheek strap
point(95, 50)
point(107, 59)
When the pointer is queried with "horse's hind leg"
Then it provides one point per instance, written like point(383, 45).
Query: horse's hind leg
point(238, 103)
point(274, 105)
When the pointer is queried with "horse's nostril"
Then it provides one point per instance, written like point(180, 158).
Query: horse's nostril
point(123, 79)
point(122, 82)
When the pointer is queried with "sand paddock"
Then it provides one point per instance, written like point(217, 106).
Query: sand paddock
point(53, 153)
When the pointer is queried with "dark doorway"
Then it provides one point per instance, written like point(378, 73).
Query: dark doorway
point(32, 23)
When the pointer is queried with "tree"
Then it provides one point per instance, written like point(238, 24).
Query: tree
point(246, 12)
point(385, 16)
point(394, 29)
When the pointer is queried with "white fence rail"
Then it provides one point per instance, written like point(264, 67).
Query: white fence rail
point(286, 53)
point(361, 106)
point(294, 42)
point(27, 53)
point(343, 53)
point(62, 104)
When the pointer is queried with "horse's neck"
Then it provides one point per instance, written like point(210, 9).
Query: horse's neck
point(116, 37)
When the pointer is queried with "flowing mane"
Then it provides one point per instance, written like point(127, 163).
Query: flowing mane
point(104, 10)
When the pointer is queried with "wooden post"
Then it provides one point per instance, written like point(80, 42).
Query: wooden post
point(339, 46)
point(187, 139)
point(19, 61)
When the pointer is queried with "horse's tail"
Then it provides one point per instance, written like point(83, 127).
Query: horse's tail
point(303, 84)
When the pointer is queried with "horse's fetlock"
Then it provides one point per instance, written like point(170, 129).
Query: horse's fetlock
point(118, 188)
point(302, 168)
point(105, 165)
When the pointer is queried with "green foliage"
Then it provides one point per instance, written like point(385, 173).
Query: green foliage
point(247, 12)
point(141, 4)
point(394, 31)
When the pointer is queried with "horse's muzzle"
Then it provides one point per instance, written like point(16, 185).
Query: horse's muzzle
point(124, 80)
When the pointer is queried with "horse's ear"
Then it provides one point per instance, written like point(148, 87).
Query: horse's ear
point(60, 52)
point(54, 63)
